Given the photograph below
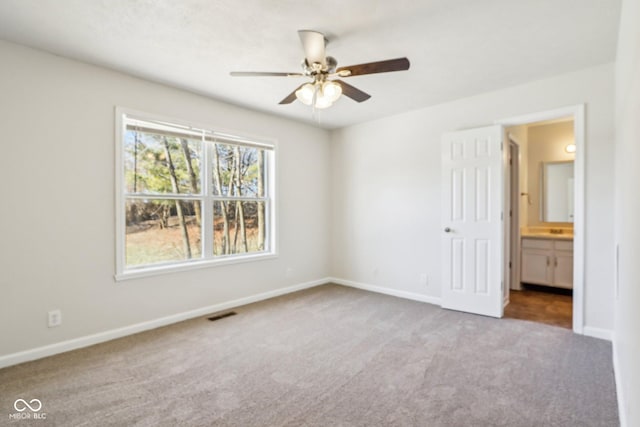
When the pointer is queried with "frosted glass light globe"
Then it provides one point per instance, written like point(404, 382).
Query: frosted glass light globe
point(332, 90)
point(305, 93)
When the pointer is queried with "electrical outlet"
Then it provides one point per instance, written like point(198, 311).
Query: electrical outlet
point(288, 272)
point(424, 279)
point(54, 318)
point(376, 272)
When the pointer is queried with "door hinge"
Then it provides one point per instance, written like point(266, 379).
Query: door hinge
point(509, 264)
point(501, 216)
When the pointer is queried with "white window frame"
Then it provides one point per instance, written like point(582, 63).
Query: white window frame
point(207, 198)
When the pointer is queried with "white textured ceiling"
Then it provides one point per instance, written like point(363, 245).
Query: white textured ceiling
point(457, 48)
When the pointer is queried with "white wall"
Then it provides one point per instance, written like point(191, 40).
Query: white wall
point(627, 302)
point(57, 218)
point(386, 186)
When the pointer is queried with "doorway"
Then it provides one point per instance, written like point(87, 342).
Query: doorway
point(541, 304)
point(476, 232)
point(544, 254)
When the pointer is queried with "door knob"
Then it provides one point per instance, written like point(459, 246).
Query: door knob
point(447, 230)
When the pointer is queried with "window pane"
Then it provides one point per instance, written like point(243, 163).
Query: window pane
point(157, 164)
point(238, 227)
point(162, 230)
point(238, 171)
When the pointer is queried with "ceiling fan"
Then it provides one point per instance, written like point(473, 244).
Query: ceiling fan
point(324, 89)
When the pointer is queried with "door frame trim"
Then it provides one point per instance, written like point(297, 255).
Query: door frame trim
point(578, 114)
point(514, 217)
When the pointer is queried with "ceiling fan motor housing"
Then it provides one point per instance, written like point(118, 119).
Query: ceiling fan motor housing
point(331, 64)
point(318, 68)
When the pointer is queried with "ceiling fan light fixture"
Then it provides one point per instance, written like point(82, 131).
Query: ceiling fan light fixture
point(323, 102)
point(331, 90)
point(325, 94)
point(305, 93)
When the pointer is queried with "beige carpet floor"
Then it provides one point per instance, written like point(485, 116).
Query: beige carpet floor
point(327, 356)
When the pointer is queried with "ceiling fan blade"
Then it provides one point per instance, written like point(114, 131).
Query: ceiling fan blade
point(291, 97)
point(313, 44)
point(352, 92)
point(263, 74)
point(398, 64)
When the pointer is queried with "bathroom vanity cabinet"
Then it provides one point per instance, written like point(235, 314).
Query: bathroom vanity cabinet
point(547, 261)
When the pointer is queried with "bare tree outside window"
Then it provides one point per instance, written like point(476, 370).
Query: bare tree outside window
point(166, 205)
point(238, 177)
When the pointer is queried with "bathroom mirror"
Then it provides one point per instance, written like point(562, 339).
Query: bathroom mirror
point(556, 192)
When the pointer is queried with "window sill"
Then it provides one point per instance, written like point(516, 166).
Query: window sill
point(191, 265)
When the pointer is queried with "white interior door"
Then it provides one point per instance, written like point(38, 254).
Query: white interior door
point(472, 227)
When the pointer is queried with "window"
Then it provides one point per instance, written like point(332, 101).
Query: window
point(190, 197)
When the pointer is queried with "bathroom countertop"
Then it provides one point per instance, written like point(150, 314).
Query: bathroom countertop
point(547, 236)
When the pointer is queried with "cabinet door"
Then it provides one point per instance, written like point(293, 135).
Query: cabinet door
point(536, 267)
point(563, 269)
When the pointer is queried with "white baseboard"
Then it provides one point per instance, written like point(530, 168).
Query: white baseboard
point(622, 413)
point(387, 291)
point(603, 334)
point(73, 344)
